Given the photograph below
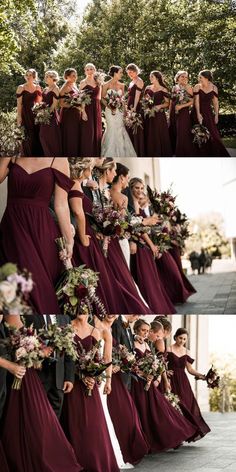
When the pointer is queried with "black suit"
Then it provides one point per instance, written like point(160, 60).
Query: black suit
point(54, 374)
point(123, 336)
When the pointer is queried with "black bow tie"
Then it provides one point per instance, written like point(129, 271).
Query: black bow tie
point(125, 324)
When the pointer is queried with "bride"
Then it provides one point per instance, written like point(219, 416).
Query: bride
point(116, 141)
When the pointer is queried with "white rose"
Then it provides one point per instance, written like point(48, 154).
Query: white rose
point(8, 291)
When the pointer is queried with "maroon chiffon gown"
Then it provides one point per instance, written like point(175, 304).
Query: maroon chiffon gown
point(31, 147)
point(128, 430)
point(70, 128)
point(28, 231)
point(181, 386)
point(85, 425)
point(91, 130)
point(172, 126)
point(156, 131)
point(50, 135)
point(137, 139)
point(214, 146)
point(117, 295)
point(145, 274)
point(184, 137)
point(164, 427)
point(3, 460)
point(171, 278)
point(32, 437)
point(175, 253)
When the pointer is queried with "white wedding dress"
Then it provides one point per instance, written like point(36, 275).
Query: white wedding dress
point(116, 141)
point(113, 437)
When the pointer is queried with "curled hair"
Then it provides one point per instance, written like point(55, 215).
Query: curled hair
point(134, 181)
point(156, 326)
point(114, 70)
point(120, 170)
point(108, 164)
point(133, 68)
point(179, 73)
point(53, 74)
point(179, 332)
point(165, 322)
point(78, 165)
point(90, 65)
point(34, 74)
point(68, 72)
point(139, 323)
point(159, 77)
point(207, 74)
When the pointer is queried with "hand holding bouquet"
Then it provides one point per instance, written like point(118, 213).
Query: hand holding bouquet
point(114, 101)
point(90, 365)
point(42, 114)
point(150, 368)
point(60, 339)
point(133, 120)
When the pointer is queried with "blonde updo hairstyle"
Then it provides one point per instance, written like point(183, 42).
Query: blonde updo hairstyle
point(34, 74)
point(179, 73)
point(53, 74)
point(78, 165)
point(108, 164)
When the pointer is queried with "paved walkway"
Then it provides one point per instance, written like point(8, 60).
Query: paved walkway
point(216, 452)
point(216, 291)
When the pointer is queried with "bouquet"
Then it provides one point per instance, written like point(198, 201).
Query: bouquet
point(26, 349)
point(136, 228)
point(180, 95)
point(15, 287)
point(114, 101)
point(122, 358)
point(150, 365)
point(80, 100)
point(180, 228)
point(108, 221)
point(148, 106)
point(42, 114)
point(20, 134)
point(76, 288)
point(160, 237)
point(201, 135)
point(174, 401)
point(91, 364)
point(133, 120)
point(163, 203)
point(60, 339)
point(99, 77)
point(212, 378)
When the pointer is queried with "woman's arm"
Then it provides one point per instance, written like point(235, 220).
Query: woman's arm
point(197, 104)
point(189, 103)
point(4, 169)
point(192, 371)
point(104, 92)
point(78, 212)
point(63, 91)
point(62, 208)
point(107, 336)
point(19, 105)
point(215, 102)
point(164, 105)
point(13, 320)
point(140, 85)
point(152, 246)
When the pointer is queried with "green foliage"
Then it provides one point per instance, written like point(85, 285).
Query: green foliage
point(223, 399)
point(9, 146)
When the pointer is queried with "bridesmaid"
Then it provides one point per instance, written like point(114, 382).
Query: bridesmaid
point(165, 428)
point(206, 96)
point(143, 267)
point(178, 360)
point(176, 254)
point(116, 259)
point(135, 91)
point(91, 128)
point(120, 404)
point(83, 418)
point(114, 294)
point(45, 447)
point(184, 137)
point(156, 130)
point(27, 95)
point(50, 135)
point(28, 230)
point(70, 116)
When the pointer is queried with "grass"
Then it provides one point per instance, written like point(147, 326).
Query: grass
point(230, 142)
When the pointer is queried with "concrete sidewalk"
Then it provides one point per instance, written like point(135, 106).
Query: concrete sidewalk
point(216, 291)
point(216, 452)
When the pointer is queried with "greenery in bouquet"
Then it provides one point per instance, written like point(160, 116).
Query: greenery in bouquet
point(163, 203)
point(114, 101)
point(174, 401)
point(200, 135)
point(212, 378)
point(123, 358)
point(42, 114)
point(91, 364)
point(148, 106)
point(133, 120)
point(136, 228)
point(80, 100)
point(149, 366)
point(160, 236)
point(180, 96)
point(15, 287)
point(60, 339)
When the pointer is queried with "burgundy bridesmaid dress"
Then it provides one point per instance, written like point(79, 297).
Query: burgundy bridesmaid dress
point(3, 460)
point(137, 139)
point(115, 296)
point(91, 130)
point(156, 131)
point(171, 278)
point(32, 437)
point(181, 386)
point(31, 147)
point(172, 126)
point(126, 421)
point(85, 425)
point(164, 427)
point(184, 137)
point(50, 135)
point(214, 146)
point(175, 253)
point(28, 231)
point(70, 128)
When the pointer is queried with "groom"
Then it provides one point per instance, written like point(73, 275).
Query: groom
point(57, 376)
point(122, 333)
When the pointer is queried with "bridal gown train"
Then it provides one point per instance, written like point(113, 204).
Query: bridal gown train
point(116, 141)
